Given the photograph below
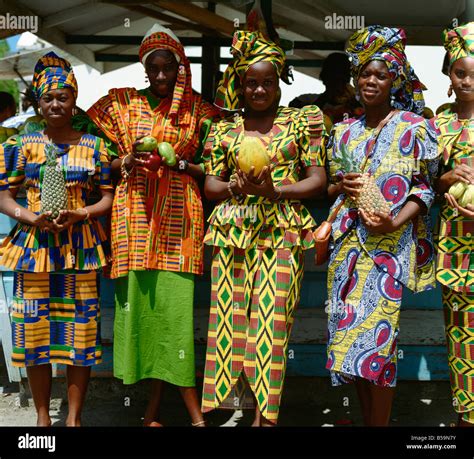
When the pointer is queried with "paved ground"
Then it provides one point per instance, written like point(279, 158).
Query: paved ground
point(306, 402)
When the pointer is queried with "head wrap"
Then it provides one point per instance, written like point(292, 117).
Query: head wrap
point(459, 42)
point(53, 72)
point(159, 37)
point(248, 48)
point(388, 45)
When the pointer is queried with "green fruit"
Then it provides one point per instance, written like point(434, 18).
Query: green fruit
point(148, 144)
point(3, 138)
point(168, 154)
point(457, 190)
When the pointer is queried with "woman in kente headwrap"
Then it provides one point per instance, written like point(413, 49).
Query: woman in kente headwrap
point(259, 230)
point(157, 223)
point(375, 255)
point(455, 270)
point(55, 313)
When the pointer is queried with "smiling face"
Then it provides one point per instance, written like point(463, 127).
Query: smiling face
point(57, 106)
point(462, 79)
point(161, 68)
point(374, 84)
point(260, 87)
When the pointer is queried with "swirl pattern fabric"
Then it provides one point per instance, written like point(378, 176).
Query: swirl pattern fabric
point(388, 45)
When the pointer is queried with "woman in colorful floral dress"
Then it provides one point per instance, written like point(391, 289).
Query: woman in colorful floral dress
point(375, 256)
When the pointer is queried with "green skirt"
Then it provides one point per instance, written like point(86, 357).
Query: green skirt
point(153, 327)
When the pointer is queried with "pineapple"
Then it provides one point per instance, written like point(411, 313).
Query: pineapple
point(370, 198)
point(53, 184)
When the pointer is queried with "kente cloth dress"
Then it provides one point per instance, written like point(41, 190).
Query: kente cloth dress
point(257, 264)
point(55, 312)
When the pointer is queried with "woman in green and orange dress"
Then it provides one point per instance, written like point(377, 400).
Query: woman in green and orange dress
point(259, 229)
point(157, 224)
point(55, 314)
point(455, 269)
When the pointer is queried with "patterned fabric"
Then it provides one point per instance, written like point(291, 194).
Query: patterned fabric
point(82, 246)
point(53, 72)
point(367, 272)
point(253, 300)
point(459, 42)
point(295, 144)
point(56, 319)
point(258, 261)
point(455, 268)
point(248, 48)
point(364, 315)
point(156, 224)
point(403, 162)
point(182, 105)
point(459, 319)
point(388, 45)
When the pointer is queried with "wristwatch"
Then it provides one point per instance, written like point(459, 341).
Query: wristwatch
point(183, 165)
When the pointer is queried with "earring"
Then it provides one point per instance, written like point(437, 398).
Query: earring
point(39, 111)
point(146, 79)
point(450, 90)
point(392, 100)
point(74, 111)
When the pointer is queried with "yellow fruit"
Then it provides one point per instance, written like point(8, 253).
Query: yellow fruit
point(467, 197)
point(457, 190)
point(253, 154)
point(370, 198)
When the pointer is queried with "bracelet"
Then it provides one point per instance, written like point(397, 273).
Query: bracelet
point(123, 170)
point(86, 212)
point(278, 195)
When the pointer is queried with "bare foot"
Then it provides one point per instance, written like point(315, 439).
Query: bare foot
point(73, 422)
point(152, 424)
point(43, 421)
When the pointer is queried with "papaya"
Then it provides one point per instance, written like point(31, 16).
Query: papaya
point(168, 154)
point(149, 143)
point(253, 154)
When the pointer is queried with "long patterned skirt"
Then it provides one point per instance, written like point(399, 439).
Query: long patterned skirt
point(56, 319)
point(363, 317)
point(253, 300)
point(459, 322)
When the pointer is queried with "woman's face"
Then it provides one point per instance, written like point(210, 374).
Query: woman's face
point(57, 106)
point(462, 79)
point(260, 86)
point(374, 84)
point(161, 68)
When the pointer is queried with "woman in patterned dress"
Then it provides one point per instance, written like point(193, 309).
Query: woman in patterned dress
point(455, 269)
point(375, 256)
point(157, 223)
point(259, 229)
point(55, 314)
